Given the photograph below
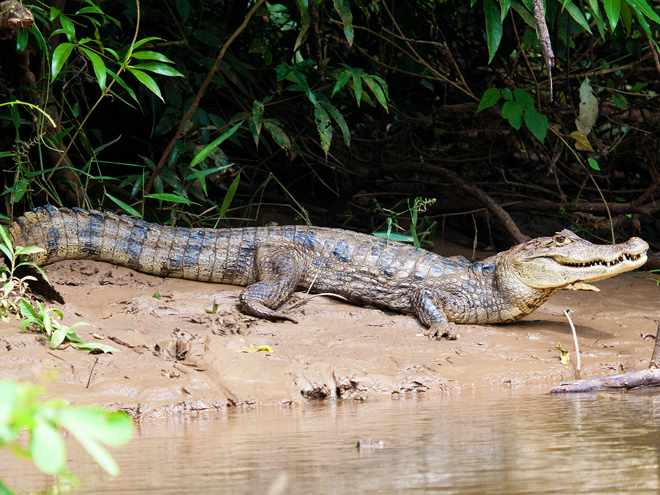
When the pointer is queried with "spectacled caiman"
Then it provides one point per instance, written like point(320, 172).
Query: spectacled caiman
point(272, 262)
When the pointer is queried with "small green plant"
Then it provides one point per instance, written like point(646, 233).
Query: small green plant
point(13, 300)
point(21, 409)
point(417, 236)
point(14, 288)
point(656, 280)
point(518, 106)
point(45, 320)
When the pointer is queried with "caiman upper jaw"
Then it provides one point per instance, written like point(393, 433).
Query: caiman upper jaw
point(620, 259)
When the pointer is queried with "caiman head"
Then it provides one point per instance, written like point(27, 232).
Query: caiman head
point(565, 258)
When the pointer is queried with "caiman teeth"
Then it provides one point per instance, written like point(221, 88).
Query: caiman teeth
point(620, 259)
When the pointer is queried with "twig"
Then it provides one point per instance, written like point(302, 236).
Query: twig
point(594, 208)
point(89, 380)
point(655, 357)
point(578, 366)
point(317, 40)
point(649, 41)
point(544, 40)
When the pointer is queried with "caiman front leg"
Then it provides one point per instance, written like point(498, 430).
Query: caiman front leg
point(278, 275)
point(425, 304)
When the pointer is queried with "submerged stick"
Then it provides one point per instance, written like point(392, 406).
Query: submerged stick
point(646, 378)
point(655, 357)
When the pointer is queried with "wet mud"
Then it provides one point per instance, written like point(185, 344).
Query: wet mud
point(177, 358)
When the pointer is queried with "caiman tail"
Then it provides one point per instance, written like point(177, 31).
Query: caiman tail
point(207, 255)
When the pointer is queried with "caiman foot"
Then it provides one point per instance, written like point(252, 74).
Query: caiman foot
point(256, 308)
point(269, 314)
point(447, 331)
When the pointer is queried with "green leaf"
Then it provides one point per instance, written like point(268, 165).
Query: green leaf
point(148, 55)
point(490, 97)
point(493, 27)
point(593, 163)
point(109, 427)
point(278, 134)
point(377, 91)
point(67, 27)
point(9, 393)
point(341, 81)
point(344, 11)
point(172, 198)
point(304, 23)
point(595, 10)
point(506, 5)
point(626, 15)
point(513, 112)
point(257, 115)
point(600, 24)
point(57, 336)
point(4, 490)
point(60, 56)
point(619, 100)
point(575, 13)
point(138, 44)
point(47, 447)
point(382, 83)
point(158, 68)
point(27, 311)
point(394, 236)
point(645, 9)
point(147, 80)
point(92, 9)
point(216, 142)
point(523, 98)
point(537, 123)
point(93, 346)
point(6, 238)
point(229, 196)
point(323, 126)
point(524, 13)
point(121, 82)
point(357, 87)
point(339, 118)
point(98, 65)
point(183, 7)
point(91, 427)
point(127, 208)
point(299, 77)
point(29, 250)
point(22, 39)
point(34, 30)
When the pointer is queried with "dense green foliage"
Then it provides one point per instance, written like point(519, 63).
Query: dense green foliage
point(192, 112)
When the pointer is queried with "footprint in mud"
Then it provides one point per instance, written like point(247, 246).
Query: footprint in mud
point(176, 347)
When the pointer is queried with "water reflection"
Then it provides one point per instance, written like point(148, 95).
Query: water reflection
point(499, 442)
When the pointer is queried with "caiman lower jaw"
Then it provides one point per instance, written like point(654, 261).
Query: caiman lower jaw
point(624, 257)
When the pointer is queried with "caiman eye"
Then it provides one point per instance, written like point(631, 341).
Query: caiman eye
point(560, 239)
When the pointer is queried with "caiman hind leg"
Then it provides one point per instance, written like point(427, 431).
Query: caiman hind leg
point(278, 274)
point(425, 306)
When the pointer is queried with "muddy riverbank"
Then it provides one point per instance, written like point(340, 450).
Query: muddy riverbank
point(175, 357)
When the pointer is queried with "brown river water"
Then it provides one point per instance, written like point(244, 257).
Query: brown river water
point(505, 441)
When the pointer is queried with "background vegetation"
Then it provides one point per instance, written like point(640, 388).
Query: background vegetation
point(339, 113)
